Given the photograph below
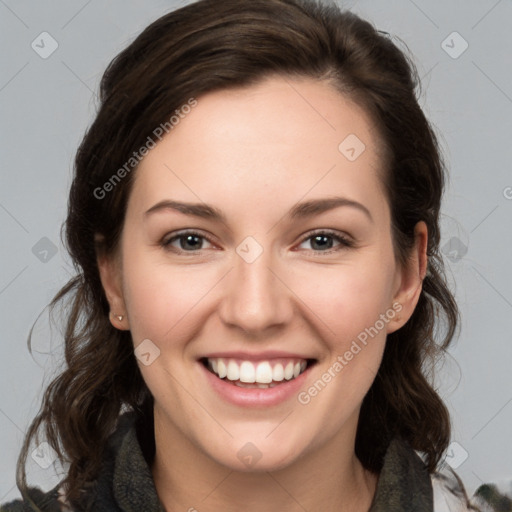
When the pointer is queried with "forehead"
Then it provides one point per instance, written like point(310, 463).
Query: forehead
point(275, 142)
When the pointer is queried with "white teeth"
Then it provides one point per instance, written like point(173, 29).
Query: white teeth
point(221, 368)
point(264, 373)
point(233, 371)
point(278, 372)
point(288, 371)
point(247, 372)
point(261, 375)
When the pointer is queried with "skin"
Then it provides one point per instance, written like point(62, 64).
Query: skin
point(254, 153)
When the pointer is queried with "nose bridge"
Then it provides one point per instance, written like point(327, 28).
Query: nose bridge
point(255, 298)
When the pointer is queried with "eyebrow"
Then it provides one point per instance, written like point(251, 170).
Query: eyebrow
point(299, 211)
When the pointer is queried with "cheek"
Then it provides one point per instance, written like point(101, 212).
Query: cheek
point(349, 304)
point(164, 300)
point(347, 298)
point(159, 304)
point(353, 304)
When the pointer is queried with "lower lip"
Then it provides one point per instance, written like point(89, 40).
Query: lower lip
point(255, 397)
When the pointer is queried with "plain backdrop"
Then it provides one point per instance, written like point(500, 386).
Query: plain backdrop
point(47, 98)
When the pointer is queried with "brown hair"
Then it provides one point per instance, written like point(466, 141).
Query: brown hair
point(211, 45)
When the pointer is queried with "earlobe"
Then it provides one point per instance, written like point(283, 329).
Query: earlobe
point(118, 321)
point(410, 277)
point(109, 270)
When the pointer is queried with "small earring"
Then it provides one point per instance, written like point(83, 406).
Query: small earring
point(119, 317)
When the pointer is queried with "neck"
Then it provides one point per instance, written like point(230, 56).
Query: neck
point(329, 478)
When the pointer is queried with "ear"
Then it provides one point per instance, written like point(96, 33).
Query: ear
point(110, 275)
point(409, 279)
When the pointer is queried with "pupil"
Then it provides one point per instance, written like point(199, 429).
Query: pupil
point(188, 238)
point(322, 237)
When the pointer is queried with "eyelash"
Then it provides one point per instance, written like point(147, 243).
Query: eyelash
point(345, 243)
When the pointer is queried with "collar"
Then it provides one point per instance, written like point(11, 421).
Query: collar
point(404, 483)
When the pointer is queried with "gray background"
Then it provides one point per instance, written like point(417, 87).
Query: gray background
point(46, 104)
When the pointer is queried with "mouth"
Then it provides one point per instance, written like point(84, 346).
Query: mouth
point(262, 374)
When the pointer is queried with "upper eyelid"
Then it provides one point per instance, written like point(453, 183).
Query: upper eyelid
point(344, 239)
point(329, 232)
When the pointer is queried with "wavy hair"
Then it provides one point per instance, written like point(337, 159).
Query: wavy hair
point(206, 46)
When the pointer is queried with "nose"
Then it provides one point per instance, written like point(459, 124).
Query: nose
point(256, 297)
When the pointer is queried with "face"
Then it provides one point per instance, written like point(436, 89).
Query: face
point(276, 281)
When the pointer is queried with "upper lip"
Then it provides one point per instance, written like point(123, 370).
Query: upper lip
point(256, 356)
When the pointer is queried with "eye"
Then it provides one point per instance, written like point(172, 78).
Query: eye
point(188, 241)
point(322, 241)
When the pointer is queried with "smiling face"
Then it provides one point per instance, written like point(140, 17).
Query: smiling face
point(260, 276)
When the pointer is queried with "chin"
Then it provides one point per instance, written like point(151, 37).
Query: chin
point(255, 456)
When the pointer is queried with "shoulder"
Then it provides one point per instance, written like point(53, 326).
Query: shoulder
point(98, 494)
point(37, 500)
point(449, 492)
point(494, 497)
point(451, 496)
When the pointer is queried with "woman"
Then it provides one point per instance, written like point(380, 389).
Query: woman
point(277, 361)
